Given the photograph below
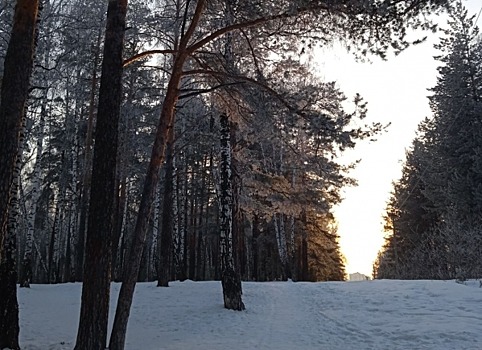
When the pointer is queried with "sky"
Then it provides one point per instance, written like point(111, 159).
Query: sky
point(415, 315)
point(396, 92)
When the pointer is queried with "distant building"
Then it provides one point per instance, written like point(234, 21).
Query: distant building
point(358, 277)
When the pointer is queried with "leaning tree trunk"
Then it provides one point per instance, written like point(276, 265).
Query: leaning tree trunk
point(117, 339)
point(166, 121)
point(15, 85)
point(92, 333)
point(231, 280)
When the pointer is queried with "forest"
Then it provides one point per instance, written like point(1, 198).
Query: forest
point(434, 214)
point(177, 139)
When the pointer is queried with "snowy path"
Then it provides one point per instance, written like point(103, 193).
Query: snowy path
point(378, 315)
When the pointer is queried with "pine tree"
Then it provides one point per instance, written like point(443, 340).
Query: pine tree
point(92, 333)
point(435, 206)
point(15, 85)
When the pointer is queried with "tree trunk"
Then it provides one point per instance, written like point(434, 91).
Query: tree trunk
point(165, 241)
point(166, 121)
point(92, 332)
point(279, 227)
point(231, 280)
point(15, 84)
point(303, 256)
point(117, 340)
point(26, 268)
point(9, 326)
point(255, 248)
point(87, 170)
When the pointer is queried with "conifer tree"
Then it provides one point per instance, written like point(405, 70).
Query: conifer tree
point(435, 207)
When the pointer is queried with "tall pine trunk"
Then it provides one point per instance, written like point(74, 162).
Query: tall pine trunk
point(92, 332)
point(8, 269)
point(87, 169)
point(165, 240)
point(15, 85)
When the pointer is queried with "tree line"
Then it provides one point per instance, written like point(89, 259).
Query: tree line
point(433, 217)
point(176, 140)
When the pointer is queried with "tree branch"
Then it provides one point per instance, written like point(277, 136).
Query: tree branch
point(246, 80)
point(193, 25)
point(141, 55)
point(205, 91)
point(253, 23)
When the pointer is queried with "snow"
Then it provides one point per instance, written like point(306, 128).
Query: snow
point(280, 315)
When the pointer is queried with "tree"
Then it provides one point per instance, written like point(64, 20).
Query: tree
point(230, 278)
point(92, 333)
point(435, 207)
point(15, 86)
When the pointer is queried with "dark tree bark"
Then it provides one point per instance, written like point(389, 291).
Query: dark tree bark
point(87, 171)
point(254, 242)
point(92, 332)
point(117, 340)
point(166, 121)
point(165, 241)
point(9, 326)
point(15, 85)
point(303, 255)
point(230, 278)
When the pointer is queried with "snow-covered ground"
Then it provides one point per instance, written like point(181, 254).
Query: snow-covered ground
point(367, 315)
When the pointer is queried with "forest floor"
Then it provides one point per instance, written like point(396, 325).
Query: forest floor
point(369, 315)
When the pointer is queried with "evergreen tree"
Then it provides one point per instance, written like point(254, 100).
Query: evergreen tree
point(435, 207)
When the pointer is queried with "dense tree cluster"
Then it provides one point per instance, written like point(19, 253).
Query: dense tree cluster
point(434, 215)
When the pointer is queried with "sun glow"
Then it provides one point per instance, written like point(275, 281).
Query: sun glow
point(396, 92)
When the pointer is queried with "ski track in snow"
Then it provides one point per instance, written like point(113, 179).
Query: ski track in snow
point(375, 315)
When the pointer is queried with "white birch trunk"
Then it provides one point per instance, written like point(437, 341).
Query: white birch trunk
point(178, 240)
point(26, 271)
point(231, 281)
point(279, 227)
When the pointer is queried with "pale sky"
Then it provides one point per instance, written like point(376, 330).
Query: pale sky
point(396, 91)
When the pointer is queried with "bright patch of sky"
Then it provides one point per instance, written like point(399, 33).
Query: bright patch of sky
point(396, 92)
